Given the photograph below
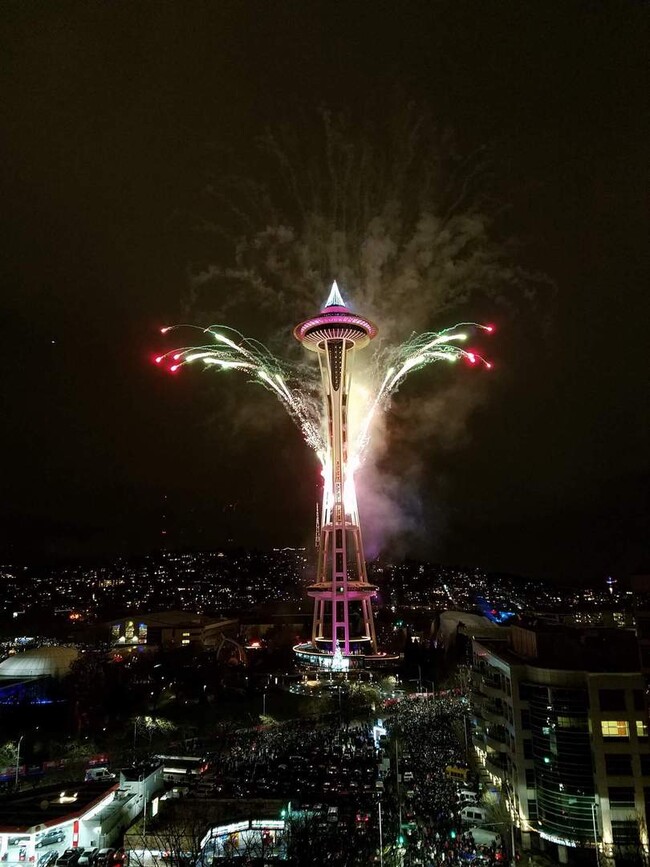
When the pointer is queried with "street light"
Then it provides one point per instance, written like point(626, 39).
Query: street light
point(264, 702)
point(143, 792)
point(18, 757)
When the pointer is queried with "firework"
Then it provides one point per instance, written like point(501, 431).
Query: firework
point(295, 384)
point(230, 350)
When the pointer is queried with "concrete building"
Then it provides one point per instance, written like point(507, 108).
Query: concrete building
point(170, 629)
point(92, 814)
point(560, 726)
point(463, 625)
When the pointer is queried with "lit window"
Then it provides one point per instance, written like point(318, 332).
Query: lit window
point(612, 728)
point(571, 722)
point(641, 729)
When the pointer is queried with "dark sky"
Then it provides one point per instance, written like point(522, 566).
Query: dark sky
point(110, 114)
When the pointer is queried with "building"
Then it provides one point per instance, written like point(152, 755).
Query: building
point(92, 814)
point(343, 629)
point(30, 676)
point(560, 726)
point(170, 629)
point(458, 627)
point(48, 661)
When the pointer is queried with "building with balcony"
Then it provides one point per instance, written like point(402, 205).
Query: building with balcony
point(559, 725)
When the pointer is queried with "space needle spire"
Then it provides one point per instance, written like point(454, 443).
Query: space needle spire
point(342, 622)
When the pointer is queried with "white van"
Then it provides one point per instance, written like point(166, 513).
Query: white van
point(485, 837)
point(472, 814)
point(94, 774)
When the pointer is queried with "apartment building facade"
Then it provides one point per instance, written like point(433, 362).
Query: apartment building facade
point(560, 726)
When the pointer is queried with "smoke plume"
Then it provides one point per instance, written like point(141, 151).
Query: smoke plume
point(406, 225)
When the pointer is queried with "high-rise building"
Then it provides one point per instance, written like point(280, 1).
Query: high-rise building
point(343, 631)
point(560, 727)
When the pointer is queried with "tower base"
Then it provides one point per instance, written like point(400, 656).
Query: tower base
point(315, 656)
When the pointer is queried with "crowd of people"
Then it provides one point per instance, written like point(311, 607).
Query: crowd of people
point(305, 761)
point(446, 852)
point(430, 738)
point(323, 762)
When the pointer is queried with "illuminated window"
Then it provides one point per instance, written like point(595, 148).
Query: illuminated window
point(641, 729)
point(571, 722)
point(612, 728)
point(185, 641)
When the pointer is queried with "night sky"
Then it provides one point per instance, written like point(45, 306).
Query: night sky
point(115, 116)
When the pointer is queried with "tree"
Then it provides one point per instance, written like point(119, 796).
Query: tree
point(149, 730)
point(174, 837)
point(499, 818)
point(86, 684)
point(8, 752)
point(181, 836)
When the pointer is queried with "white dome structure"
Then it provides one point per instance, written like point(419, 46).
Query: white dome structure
point(40, 662)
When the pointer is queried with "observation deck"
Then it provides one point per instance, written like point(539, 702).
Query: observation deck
point(335, 322)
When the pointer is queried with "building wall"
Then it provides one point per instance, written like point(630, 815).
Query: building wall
point(558, 742)
point(621, 755)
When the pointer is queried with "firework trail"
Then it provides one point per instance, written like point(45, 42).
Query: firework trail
point(295, 385)
point(230, 350)
point(402, 219)
point(415, 353)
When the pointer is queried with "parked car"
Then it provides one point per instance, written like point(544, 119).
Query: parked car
point(105, 857)
point(47, 858)
point(474, 814)
point(49, 838)
point(485, 837)
point(70, 858)
point(88, 858)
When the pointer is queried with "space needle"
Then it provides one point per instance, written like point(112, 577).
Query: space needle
point(343, 630)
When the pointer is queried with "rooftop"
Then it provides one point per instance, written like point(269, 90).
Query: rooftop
point(141, 771)
point(50, 805)
point(165, 619)
point(50, 661)
point(568, 648)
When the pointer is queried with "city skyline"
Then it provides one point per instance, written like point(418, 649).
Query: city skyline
point(106, 170)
